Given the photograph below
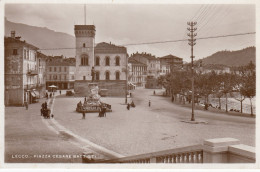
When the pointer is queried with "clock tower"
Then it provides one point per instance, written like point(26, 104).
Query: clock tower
point(85, 43)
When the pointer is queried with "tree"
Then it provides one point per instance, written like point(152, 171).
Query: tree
point(227, 85)
point(248, 88)
point(239, 82)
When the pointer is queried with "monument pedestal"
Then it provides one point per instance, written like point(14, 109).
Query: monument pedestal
point(93, 102)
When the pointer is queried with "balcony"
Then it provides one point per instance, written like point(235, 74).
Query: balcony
point(32, 72)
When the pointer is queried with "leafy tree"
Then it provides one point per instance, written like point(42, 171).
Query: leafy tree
point(248, 88)
point(227, 85)
point(239, 82)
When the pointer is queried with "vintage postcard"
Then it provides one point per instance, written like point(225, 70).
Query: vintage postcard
point(121, 84)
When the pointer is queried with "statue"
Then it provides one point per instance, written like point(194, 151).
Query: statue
point(93, 74)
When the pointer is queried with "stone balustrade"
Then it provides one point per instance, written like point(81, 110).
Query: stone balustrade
point(219, 150)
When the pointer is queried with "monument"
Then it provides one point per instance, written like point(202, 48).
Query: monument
point(93, 102)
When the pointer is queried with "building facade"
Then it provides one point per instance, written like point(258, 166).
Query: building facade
point(21, 71)
point(153, 63)
point(41, 66)
point(169, 63)
point(153, 68)
point(60, 72)
point(138, 72)
point(108, 61)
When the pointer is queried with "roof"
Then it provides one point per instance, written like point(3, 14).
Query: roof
point(170, 56)
point(84, 27)
point(57, 61)
point(41, 55)
point(145, 55)
point(17, 40)
point(104, 47)
point(133, 61)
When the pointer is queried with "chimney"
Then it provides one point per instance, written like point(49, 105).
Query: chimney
point(12, 34)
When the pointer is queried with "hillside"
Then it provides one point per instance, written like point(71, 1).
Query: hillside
point(43, 38)
point(232, 58)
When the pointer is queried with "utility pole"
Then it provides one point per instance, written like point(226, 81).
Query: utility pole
point(126, 74)
point(192, 43)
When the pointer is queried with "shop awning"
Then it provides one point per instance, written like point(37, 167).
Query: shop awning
point(33, 94)
point(36, 93)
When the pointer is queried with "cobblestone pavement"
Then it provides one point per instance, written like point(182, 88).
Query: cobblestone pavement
point(147, 129)
point(28, 139)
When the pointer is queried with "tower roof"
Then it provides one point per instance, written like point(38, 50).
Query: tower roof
point(84, 27)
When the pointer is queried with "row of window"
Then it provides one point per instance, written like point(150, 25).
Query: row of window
point(107, 75)
point(139, 68)
point(85, 60)
point(59, 77)
point(57, 69)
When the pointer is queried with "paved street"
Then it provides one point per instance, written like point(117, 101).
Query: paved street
point(27, 138)
point(146, 129)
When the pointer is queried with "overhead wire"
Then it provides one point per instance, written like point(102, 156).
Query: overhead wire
point(160, 42)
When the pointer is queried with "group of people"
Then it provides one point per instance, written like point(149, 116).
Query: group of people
point(45, 112)
point(49, 95)
point(130, 105)
point(234, 110)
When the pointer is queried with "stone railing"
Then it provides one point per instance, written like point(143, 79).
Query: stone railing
point(219, 150)
point(190, 154)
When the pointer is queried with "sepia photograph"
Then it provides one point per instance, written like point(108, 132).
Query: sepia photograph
point(137, 84)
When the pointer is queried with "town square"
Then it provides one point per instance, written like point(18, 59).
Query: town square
point(128, 90)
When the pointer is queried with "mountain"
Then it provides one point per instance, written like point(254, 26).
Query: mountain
point(232, 58)
point(43, 38)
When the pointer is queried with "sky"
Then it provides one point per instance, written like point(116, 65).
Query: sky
point(123, 24)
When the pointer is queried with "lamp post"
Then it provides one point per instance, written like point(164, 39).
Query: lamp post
point(192, 43)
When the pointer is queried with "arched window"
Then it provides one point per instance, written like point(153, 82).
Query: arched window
point(97, 75)
point(107, 75)
point(117, 61)
point(84, 60)
point(84, 45)
point(97, 61)
point(117, 75)
point(107, 61)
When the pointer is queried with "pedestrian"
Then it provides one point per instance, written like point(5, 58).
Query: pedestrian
point(172, 98)
point(45, 105)
point(149, 103)
point(128, 106)
point(130, 94)
point(50, 95)
point(85, 99)
point(104, 109)
point(60, 92)
point(26, 105)
point(47, 96)
point(83, 114)
point(154, 92)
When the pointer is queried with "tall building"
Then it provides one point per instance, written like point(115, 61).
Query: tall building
point(21, 71)
point(153, 68)
point(138, 72)
point(169, 63)
point(60, 72)
point(41, 66)
point(108, 61)
point(153, 63)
